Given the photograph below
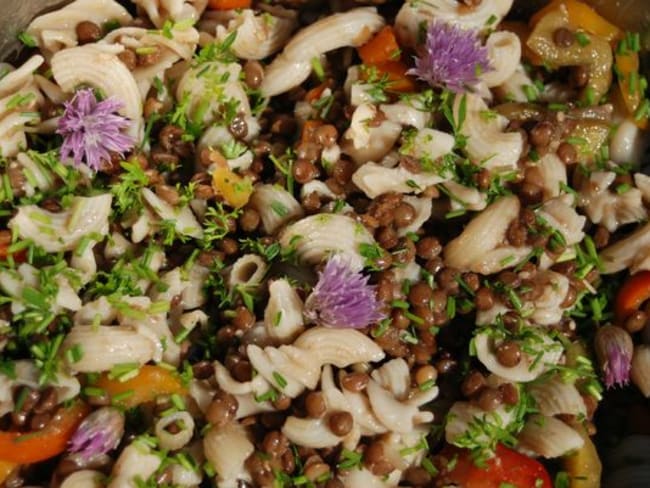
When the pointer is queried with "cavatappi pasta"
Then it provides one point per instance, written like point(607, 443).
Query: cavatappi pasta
point(347, 244)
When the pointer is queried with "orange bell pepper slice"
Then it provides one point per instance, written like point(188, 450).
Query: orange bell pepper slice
point(632, 294)
point(151, 382)
point(236, 190)
point(582, 16)
point(6, 467)
point(627, 66)
point(380, 48)
point(229, 4)
point(383, 53)
point(315, 93)
point(33, 447)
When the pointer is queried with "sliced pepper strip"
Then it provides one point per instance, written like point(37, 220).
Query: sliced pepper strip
point(629, 84)
point(151, 382)
point(33, 447)
point(582, 16)
point(229, 4)
point(632, 294)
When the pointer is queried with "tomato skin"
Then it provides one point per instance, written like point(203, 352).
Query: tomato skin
point(632, 294)
point(507, 466)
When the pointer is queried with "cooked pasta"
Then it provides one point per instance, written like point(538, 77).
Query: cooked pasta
point(250, 244)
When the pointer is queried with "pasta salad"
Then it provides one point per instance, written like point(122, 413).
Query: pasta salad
point(344, 244)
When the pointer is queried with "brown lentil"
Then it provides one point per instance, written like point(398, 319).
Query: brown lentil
point(489, 399)
point(315, 404)
point(238, 127)
point(243, 319)
point(343, 171)
point(340, 423)
point(229, 246)
point(168, 193)
point(567, 153)
point(47, 402)
point(516, 234)
point(445, 365)
point(355, 382)
point(482, 179)
point(399, 320)
point(601, 237)
point(636, 321)
point(508, 354)
point(530, 194)
point(222, 409)
point(88, 32)
point(426, 314)
point(249, 220)
point(580, 76)
point(304, 171)
point(375, 459)
point(387, 237)
point(570, 298)
point(150, 57)
point(334, 483)
point(473, 383)
point(275, 443)
point(253, 74)
point(509, 393)
point(563, 37)
point(404, 214)
point(428, 248)
point(316, 471)
point(282, 402)
point(420, 294)
point(446, 279)
point(417, 476)
point(129, 58)
point(326, 135)
point(540, 135)
point(425, 374)
point(202, 370)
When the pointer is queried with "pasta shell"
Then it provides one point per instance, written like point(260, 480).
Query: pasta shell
point(528, 369)
point(275, 205)
point(292, 66)
point(314, 433)
point(103, 347)
point(63, 231)
point(316, 237)
point(340, 347)
point(487, 140)
point(484, 233)
point(414, 14)
point(554, 397)
point(86, 478)
point(549, 437)
point(229, 462)
point(99, 67)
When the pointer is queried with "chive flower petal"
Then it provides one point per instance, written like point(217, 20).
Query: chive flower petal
point(343, 298)
point(98, 433)
point(452, 57)
point(614, 349)
point(92, 129)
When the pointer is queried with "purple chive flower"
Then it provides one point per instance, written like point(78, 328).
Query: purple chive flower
point(99, 433)
point(343, 298)
point(452, 57)
point(91, 129)
point(614, 349)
